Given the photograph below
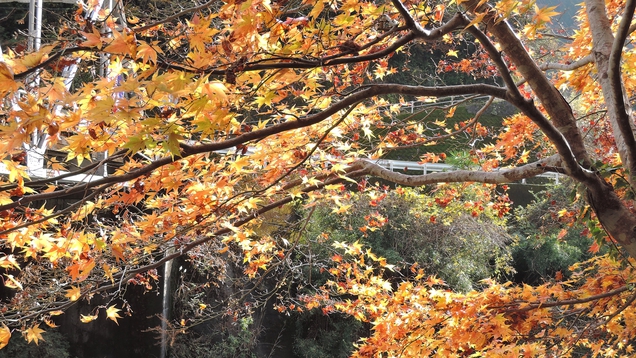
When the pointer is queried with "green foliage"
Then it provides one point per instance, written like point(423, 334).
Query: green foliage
point(460, 159)
point(549, 239)
point(325, 336)
point(54, 345)
point(235, 343)
point(445, 236)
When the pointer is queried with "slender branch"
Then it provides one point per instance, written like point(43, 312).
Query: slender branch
point(92, 166)
point(454, 23)
point(496, 57)
point(574, 301)
point(66, 210)
point(173, 17)
point(50, 60)
point(327, 61)
point(619, 310)
point(467, 125)
point(568, 67)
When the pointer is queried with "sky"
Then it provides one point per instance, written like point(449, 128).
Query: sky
point(567, 8)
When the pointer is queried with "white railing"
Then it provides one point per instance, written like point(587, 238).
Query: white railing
point(426, 168)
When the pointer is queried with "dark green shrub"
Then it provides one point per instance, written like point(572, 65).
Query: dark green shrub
point(54, 345)
point(547, 241)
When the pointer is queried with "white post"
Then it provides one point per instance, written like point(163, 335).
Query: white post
point(167, 292)
point(31, 41)
point(38, 26)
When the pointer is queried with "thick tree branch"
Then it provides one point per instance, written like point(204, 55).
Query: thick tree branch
point(617, 219)
point(365, 93)
point(415, 26)
point(497, 177)
point(623, 117)
point(609, 78)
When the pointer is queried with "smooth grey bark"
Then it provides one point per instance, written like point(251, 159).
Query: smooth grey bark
point(457, 176)
point(607, 64)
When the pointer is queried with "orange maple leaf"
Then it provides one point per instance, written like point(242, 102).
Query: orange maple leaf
point(5, 335)
point(92, 39)
point(74, 293)
point(34, 334)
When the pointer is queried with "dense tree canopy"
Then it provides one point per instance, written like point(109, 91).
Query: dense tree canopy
point(136, 138)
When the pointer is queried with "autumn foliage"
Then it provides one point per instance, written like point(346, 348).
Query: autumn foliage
point(130, 141)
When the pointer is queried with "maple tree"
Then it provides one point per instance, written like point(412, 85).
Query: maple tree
point(218, 114)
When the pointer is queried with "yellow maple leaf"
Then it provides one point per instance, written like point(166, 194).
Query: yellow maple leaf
point(265, 100)
point(34, 334)
point(111, 313)
point(88, 318)
point(544, 14)
point(84, 211)
point(5, 335)
point(34, 59)
point(215, 90)
point(452, 53)
point(12, 282)
point(74, 293)
point(478, 18)
point(9, 262)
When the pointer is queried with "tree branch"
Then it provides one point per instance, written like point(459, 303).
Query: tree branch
point(574, 301)
point(82, 170)
point(173, 17)
point(568, 67)
point(614, 73)
point(498, 177)
point(496, 57)
point(609, 77)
